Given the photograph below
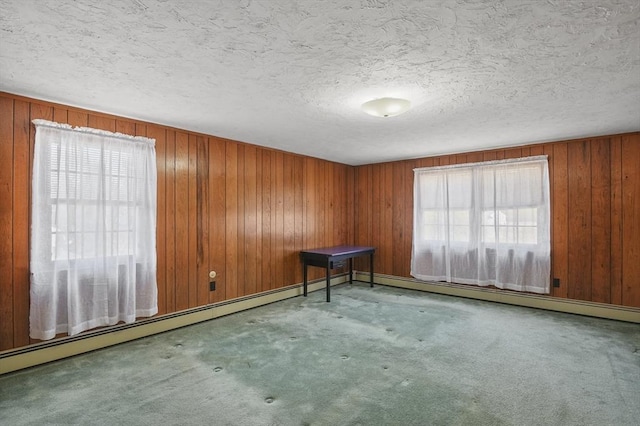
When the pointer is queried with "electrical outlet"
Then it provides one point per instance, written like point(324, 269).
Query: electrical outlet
point(556, 282)
point(212, 285)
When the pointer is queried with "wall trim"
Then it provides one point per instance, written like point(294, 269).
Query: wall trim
point(53, 350)
point(571, 306)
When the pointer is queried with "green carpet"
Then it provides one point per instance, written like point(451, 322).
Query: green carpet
point(380, 356)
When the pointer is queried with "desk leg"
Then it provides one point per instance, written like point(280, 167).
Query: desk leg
point(304, 274)
point(351, 270)
point(328, 282)
point(371, 269)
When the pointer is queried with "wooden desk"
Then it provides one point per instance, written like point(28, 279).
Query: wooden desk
point(332, 258)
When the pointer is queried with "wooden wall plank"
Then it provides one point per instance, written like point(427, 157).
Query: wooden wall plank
point(193, 237)
point(579, 225)
point(169, 219)
point(377, 198)
point(202, 221)
point(560, 220)
point(616, 220)
point(102, 123)
point(273, 217)
point(22, 167)
point(547, 150)
point(475, 157)
point(328, 194)
point(364, 210)
point(217, 216)
point(60, 115)
point(81, 119)
point(241, 200)
point(258, 236)
point(181, 221)
point(536, 150)
point(386, 224)
point(290, 253)
point(279, 228)
point(399, 206)
point(141, 129)
point(250, 221)
point(267, 212)
point(158, 134)
point(298, 182)
point(489, 156)
point(631, 220)
point(129, 128)
point(321, 206)
point(513, 153)
point(231, 221)
point(408, 216)
point(460, 159)
point(45, 112)
point(600, 221)
point(351, 208)
point(6, 225)
point(309, 203)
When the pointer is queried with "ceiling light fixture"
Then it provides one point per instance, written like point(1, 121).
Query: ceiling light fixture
point(386, 107)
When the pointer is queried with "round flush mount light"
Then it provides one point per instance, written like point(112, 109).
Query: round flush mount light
point(386, 107)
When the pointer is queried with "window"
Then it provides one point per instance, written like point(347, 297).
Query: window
point(93, 260)
point(484, 223)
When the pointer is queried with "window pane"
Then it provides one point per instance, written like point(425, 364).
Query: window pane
point(528, 216)
point(488, 234)
point(459, 233)
point(528, 235)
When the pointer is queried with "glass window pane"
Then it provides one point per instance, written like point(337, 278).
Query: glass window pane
point(528, 235)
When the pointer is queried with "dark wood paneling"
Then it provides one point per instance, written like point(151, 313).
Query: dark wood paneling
point(192, 224)
point(246, 211)
point(267, 211)
point(202, 221)
point(579, 226)
point(299, 220)
point(181, 221)
point(386, 217)
point(231, 220)
point(600, 221)
point(278, 230)
point(217, 217)
point(631, 220)
point(167, 217)
point(616, 220)
point(595, 222)
point(7, 228)
point(22, 166)
point(162, 238)
point(560, 219)
point(250, 221)
point(290, 251)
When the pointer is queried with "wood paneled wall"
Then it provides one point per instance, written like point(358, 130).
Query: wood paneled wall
point(240, 210)
point(595, 202)
point(245, 212)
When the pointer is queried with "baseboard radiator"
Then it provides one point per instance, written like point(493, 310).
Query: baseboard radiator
point(41, 353)
point(571, 306)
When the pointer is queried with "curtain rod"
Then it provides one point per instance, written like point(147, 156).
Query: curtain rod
point(91, 131)
point(531, 159)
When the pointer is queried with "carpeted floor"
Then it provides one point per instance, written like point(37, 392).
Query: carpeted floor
point(380, 356)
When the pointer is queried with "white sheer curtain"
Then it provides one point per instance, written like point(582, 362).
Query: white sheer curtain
point(484, 223)
point(93, 233)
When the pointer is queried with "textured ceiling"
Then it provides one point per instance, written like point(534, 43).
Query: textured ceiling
point(292, 74)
